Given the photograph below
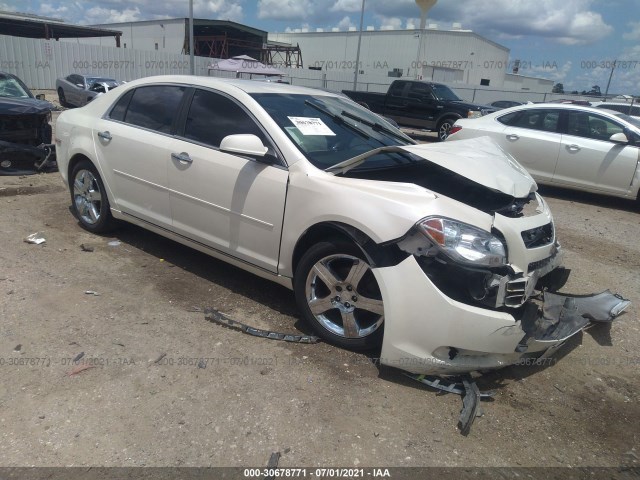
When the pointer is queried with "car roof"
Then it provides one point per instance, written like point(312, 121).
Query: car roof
point(248, 86)
point(561, 106)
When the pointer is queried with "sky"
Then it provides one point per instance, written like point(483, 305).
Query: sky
point(570, 41)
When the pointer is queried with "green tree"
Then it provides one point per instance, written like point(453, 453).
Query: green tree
point(558, 88)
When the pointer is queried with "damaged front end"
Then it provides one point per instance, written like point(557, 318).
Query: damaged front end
point(495, 294)
point(25, 137)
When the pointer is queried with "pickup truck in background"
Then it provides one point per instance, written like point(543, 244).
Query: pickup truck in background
point(419, 104)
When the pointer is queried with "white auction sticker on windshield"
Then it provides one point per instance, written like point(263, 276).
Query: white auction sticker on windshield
point(311, 126)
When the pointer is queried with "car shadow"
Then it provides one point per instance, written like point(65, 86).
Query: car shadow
point(589, 198)
point(234, 279)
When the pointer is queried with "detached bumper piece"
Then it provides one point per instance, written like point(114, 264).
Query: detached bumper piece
point(467, 388)
point(565, 315)
point(21, 159)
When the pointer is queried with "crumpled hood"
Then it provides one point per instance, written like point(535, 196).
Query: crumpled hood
point(481, 160)
point(24, 106)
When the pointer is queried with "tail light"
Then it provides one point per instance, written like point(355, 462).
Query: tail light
point(454, 129)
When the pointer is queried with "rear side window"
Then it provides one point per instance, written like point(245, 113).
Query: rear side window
point(154, 107)
point(120, 108)
point(213, 116)
point(536, 119)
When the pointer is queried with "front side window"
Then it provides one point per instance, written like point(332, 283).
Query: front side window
point(582, 124)
point(213, 116)
point(154, 107)
point(397, 89)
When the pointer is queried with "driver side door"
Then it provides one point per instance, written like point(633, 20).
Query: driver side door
point(231, 203)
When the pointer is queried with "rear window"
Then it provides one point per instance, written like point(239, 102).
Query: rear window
point(535, 119)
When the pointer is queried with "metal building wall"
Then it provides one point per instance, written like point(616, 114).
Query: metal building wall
point(382, 51)
point(39, 62)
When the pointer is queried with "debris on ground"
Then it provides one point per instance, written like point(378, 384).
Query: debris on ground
point(114, 243)
point(17, 348)
point(273, 463)
point(35, 238)
point(79, 369)
point(92, 292)
point(159, 357)
point(78, 357)
point(220, 318)
point(471, 396)
point(86, 248)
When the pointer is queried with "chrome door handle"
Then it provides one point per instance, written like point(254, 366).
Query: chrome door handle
point(182, 157)
point(105, 135)
point(512, 136)
point(573, 148)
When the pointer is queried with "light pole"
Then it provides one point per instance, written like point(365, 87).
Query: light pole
point(606, 92)
point(192, 67)
point(355, 77)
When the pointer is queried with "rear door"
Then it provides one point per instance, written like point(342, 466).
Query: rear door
point(532, 136)
point(589, 160)
point(232, 203)
point(133, 146)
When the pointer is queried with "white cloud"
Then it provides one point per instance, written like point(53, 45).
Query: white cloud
point(345, 23)
point(49, 10)
point(390, 23)
point(349, 6)
point(285, 9)
point(634, 33)
point(218, 9)
point(106, 15)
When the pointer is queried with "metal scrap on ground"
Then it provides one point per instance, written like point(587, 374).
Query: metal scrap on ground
point(220, 318)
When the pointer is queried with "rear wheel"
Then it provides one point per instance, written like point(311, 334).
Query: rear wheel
point(444, 127)
point(339, 296)
point(89, 198)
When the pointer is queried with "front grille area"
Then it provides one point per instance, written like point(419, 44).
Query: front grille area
point(538, 237)
point(24, 129)
point(539, 264)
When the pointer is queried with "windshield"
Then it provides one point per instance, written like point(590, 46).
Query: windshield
point(442, 92)
point(329, 130)
point(109, 81)
point(632, 120)
point(10, 87)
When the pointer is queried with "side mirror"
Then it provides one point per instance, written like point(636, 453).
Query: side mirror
point(243, 144)
point(619, 138)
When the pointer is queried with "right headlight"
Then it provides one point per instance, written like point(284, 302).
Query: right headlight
point(463, 242)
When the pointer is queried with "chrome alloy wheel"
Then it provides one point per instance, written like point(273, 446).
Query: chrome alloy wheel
point(87, 196)
point(344, 297)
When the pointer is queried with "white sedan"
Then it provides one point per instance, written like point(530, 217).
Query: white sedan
point(431, 253)
point(568, 146)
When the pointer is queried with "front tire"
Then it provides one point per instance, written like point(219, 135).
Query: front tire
point(339, 296)
point(89, 198)
point(444, 127)
point(62, 98)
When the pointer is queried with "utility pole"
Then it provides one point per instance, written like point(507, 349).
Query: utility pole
point(355, 77)
point(606, 92)
point(192, 67)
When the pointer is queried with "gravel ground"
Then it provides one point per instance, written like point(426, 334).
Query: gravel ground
point(147, 402)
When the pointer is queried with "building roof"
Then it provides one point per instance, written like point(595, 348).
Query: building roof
point(34, 26)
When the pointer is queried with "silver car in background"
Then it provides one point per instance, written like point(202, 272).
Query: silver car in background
point(77, 90)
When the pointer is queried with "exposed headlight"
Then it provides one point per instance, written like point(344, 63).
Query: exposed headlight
point(463, 242)
point(474, 114)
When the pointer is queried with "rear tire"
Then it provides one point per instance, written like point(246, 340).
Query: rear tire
point(339, 296)
point(444, 127)
point(62, 98)
point(89, 198)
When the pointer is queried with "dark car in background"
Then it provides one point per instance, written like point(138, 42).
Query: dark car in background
point(25, 129)
point(418, 104)
point(77, 90)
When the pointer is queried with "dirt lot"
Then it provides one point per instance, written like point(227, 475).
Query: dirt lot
point(316, 404)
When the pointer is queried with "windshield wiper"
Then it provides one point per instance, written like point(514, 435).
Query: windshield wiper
point(338, 119)
point(344, 167)
point(376, 126)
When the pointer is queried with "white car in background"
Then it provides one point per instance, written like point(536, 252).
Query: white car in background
point(434, 254)
point(633, 110)
point(570, 146)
